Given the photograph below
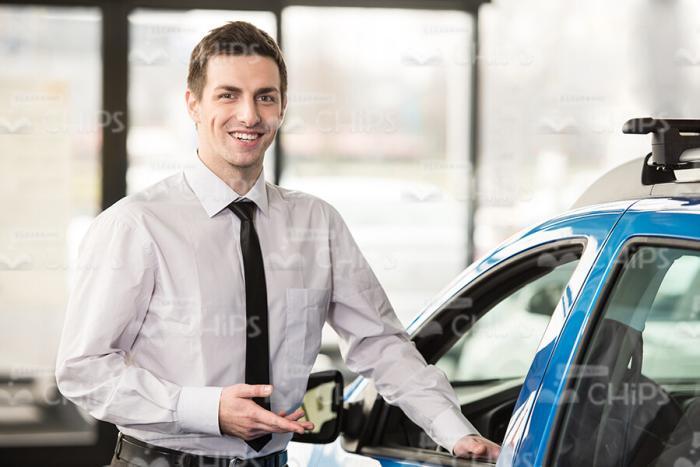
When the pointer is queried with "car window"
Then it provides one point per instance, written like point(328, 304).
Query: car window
point(485, 338)
point(502, 343)
point(672, 332)
point(634, 400)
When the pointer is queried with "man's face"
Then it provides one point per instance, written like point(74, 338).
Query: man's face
point(240, 110)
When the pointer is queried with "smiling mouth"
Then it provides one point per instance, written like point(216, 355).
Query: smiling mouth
point(242, 136)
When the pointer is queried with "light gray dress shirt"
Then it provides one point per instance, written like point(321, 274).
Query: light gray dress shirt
point(155, 324)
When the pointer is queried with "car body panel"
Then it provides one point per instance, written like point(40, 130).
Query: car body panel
point(664, 218)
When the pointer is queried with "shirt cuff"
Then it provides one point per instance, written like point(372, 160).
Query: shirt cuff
point(449, 427)
point(198, 410)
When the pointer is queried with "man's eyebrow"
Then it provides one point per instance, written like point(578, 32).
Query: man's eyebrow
point(224, 87)
point(228, 88)
point(267, 90)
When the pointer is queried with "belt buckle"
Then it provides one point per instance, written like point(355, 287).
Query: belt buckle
point(235, 461)
point(118, 446)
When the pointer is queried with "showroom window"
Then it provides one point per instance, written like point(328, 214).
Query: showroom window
point(50, 134)
point(553, 98)
point(378, 125)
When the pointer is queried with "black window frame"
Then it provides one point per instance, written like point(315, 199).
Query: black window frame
point(629, 248)
point(496, 284)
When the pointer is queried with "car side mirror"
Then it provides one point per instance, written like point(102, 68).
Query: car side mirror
point(323, 405)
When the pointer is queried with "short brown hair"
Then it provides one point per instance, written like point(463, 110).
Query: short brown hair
point(233, 38)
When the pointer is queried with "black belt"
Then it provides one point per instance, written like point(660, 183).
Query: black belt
point(130, 449)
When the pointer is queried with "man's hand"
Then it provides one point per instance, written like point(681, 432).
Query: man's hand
point(242, 417)
point(476, 446)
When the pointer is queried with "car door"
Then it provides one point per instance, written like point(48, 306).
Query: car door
point(509, 306)
point(623, 385)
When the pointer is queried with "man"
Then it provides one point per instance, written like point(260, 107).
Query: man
point(199, 302)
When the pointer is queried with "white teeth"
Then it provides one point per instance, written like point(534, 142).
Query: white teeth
point(245, 136)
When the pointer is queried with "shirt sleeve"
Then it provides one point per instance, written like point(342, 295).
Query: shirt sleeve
point(115, 276)
point(375, 345)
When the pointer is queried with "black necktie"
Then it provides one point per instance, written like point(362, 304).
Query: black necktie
point(257, 355)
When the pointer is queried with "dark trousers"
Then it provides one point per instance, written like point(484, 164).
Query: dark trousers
point(160, 462)
point(122, 463)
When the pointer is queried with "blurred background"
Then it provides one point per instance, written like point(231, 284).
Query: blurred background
point(436, 128)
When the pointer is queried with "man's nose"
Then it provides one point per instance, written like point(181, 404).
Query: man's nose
point(247, 112)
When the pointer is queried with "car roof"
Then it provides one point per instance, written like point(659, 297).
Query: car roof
point(625, 183)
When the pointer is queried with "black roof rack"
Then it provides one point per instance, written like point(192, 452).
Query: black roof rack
point(670, 139)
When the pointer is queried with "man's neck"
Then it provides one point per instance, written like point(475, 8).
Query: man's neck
point(240, 179)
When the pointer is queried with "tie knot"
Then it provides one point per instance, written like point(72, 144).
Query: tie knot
point(244, 209)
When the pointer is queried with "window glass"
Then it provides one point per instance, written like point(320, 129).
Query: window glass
point(378, 125)
point(636, 397)
point(50, 134)
point(503, 343)
point(673, 325)
point(162, 139)
point(554, 96)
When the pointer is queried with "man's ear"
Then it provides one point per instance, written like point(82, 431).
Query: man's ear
point(192, 105)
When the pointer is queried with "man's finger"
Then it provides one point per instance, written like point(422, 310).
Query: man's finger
point(251, 390)
point(270, 422)
point(478, 448)
point(307, 425)
point(475, 445)
point(275, 421)
point(296, 415)
point(292, 416)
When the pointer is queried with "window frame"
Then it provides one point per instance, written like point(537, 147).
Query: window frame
point(502, 277)
point(626, 251)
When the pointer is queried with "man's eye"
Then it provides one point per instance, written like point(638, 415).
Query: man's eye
point(266, 98)
point(227, 95)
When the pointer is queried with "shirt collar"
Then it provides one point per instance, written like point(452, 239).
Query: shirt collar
point(215, 194)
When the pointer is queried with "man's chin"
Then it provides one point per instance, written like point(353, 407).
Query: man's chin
point(244, 163)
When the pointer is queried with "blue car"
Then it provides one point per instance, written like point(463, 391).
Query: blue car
point(574, 343)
